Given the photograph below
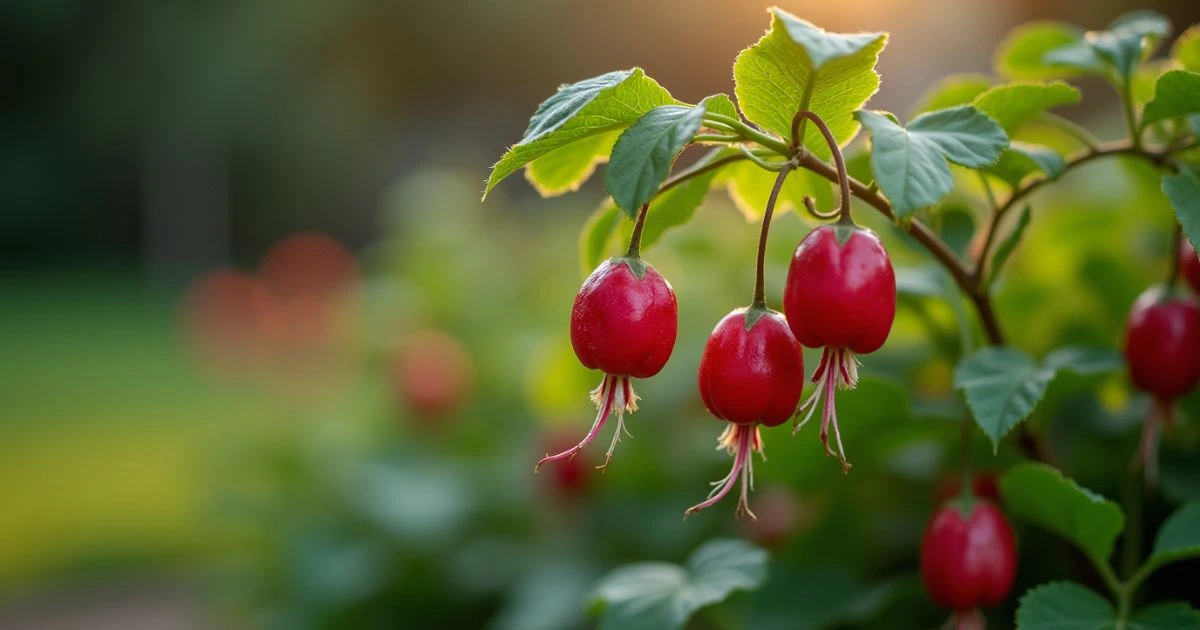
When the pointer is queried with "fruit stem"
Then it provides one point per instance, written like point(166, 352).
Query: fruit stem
point(760, 289)
point(635, 241)
point(843, 180)
point(967, 491)
point(1173, 257)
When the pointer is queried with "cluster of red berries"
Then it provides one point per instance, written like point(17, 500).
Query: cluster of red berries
point(1162, 347)
point(840, 296)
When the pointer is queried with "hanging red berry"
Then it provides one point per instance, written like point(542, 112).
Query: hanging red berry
point(841, 296)
point(751, 373)
point(1162, 348)
point(624, 324)
point(968, 556)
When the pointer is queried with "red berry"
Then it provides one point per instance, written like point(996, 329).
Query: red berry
point(624, 323)
point(968, 557)
point(752, 376)
point(1162, 343)
point(840, 295)
point(751, 373)
point(1189, 264)
point(431, 373)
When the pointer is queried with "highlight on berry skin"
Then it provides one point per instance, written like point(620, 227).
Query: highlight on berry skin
point(623, 323)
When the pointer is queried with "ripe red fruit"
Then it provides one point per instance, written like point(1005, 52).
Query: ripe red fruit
point(1162, 343)
point(751, 373)
point(431, 373)
point(968, 556)
point(1189, 265)
point(624, 324)
point(1162, 348)
point(841, 296)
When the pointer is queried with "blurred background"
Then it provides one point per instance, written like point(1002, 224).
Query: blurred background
point(267, 362)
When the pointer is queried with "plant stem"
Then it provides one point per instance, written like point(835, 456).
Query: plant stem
point(1135, 134)
point(714, 137)
point(748, 132)
point(964, 453)
point(1173, 256)
point(760, 290)
point(1131, 544)
point(843, 178)
point(635, 241)
point(697, 170)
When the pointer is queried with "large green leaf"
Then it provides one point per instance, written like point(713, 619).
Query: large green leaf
point(749, 187)
point(796, 66)
point(1177, 93)
point(1186, 49)
point(1012, 104)
point(566, 168)
point(663, 596)
point(1179, 537)
point(1043, 496)
point(1064, 606)
point(1003, 385)
point(609, 102)
point(1128, 40)
point(951, 91)
point(1183, 191)
point(910, 164)
point(643, 155)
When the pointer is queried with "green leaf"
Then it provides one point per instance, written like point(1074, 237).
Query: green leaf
point(566, 168)
point(609, 102)
point(1064, 606)
point(1179, 537)
point(1002, 387)
point(720, 104)
point(1006, 247)
point(1019, 56)
point(643, 155)
point(1043, 496)
point(1022, 159)
point(663, 596)
point(1013, 104)
point(910, 164)
point(596, 235)
point(1165, 616)
point(796, 66)
point(749, 187)
point(1183, 191)
point(1128, 40)
point(1177, 93)
point(1187, 49)
point(951, 91)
